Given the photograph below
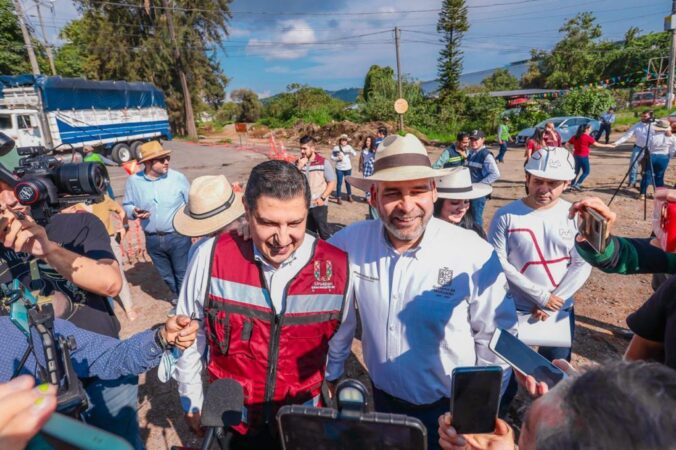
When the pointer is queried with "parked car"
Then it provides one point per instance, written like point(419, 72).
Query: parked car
point(566, 126)
point(647, 98)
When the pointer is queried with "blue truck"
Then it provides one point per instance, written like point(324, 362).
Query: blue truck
point(65, 114)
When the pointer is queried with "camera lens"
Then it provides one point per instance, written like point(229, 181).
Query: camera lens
point(81, 179)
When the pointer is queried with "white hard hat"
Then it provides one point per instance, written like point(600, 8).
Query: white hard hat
point(552, 163)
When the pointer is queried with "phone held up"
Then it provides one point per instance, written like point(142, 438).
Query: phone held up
point(475, 398)
point(594, 228)
point(664, 224)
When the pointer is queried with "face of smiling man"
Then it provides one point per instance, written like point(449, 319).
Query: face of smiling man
point(405, 208)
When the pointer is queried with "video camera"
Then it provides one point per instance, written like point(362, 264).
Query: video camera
point(35, 319)
point(47, 184)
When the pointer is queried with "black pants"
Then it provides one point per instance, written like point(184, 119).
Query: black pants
point(427, 414)
point(605, 128)
point(317, 221)
point(263, 440)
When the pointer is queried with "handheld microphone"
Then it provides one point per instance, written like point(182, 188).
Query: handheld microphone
point(222, 408)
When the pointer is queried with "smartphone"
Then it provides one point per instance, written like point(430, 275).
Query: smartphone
point(594, 229)
point(524, 359)
point(475, 398)
point(65, 432)
point(664, 225)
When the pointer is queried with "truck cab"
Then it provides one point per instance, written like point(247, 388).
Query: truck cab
point(23, 126)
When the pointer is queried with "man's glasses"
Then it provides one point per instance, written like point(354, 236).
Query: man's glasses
point(162, 159)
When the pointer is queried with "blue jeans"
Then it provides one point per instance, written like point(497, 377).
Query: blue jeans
point(112, 407)
point(501, 154)
point(635, 153)
point(552, 353)
point(659, 165)
point(340, 174)
point(581, 165)
point(169, 253)
point(478, 205)
point(429, 416)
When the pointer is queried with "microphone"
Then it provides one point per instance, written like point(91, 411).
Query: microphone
point(222, 408)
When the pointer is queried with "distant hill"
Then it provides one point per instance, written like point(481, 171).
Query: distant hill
point(348, 95)
point(517, 69)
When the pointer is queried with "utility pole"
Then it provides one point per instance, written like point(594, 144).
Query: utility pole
point(672, 57)
point(189, 115)
point(26, 38)
point(50, 56)
point(397, 36)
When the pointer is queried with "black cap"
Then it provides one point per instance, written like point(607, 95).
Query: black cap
point(476, 134)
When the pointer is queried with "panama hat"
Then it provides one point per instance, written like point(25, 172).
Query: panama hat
point(458, 186)
point(399, 158)
point(212, 204)
point(152, 150)
point(343, 137)
point(551, 163)
point(662, 125)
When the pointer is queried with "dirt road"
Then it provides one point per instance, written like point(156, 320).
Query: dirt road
point(601, 308)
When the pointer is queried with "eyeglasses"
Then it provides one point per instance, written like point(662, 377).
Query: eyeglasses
point(162, 159)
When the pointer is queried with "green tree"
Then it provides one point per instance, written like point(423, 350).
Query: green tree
point(71, 57)
point(590, 102)
point(500, 80)
point(13, 55)
point(452, 25)
point(249, 104)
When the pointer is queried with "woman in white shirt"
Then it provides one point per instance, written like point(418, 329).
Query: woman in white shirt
point(341, 154)
point(662, 146)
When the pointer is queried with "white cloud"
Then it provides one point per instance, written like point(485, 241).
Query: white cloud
point(288, 43)
point(238, 32)
point(278, 69)
point(265, 94)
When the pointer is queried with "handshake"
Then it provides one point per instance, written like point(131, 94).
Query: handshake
point(179, 331)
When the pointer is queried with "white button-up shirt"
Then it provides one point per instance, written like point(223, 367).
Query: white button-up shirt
point(189, 367)
point(640, 133)
point(423, 312)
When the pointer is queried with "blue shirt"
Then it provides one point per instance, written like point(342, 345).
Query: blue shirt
point(608, 117)
point(96, 355)
point(162, 197)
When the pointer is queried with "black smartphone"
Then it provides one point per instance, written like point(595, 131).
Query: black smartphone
point(475, 398)
point(524, 359)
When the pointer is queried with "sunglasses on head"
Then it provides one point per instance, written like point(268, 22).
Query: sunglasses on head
point(162, 159)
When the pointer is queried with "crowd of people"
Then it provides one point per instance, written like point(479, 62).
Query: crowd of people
point(267, 294)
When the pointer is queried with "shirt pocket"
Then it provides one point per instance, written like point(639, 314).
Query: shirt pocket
point(230, 333)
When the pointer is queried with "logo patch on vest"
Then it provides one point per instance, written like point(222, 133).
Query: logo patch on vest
point(323, 278)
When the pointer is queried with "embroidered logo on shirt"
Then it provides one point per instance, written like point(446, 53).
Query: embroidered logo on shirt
point(445, 276)
point(566, 233)
point(323, 281)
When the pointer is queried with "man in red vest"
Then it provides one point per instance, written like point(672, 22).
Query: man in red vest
point(270, 306)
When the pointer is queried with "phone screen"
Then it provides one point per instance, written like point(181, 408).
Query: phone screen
point(526, 360)
point(306, 432)
point(475, 399)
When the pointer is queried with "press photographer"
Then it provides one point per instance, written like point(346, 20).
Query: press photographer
point(68, 261)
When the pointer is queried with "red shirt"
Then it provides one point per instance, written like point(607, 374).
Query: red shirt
point(582, 144)
point(552, 141)
point(531, 147)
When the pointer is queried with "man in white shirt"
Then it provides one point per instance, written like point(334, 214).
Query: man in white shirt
point(269, 306)
point(430, 294)
point(535, 241)
point(639, 132)
point(662, 146)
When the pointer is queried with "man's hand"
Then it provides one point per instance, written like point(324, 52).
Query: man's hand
point(20, 233)
point(319, 202)
point(23, 410)
point(302, 162)
point(597, 205)
point(449, 439)
point(536, 388)
point(180, 331)
point(141, 214)
point(555, 303)
point(539, 314)
point(193, 420)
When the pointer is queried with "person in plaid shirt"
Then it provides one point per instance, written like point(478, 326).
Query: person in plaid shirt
point(366, 160)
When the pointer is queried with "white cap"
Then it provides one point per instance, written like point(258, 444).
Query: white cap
point(552, 163)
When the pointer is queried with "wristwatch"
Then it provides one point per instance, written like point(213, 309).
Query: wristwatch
point(161, 341)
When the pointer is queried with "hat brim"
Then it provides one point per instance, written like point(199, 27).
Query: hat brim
point(549, 176)
point(478, 190)
point(155, 156)
point(656, 128)
point(188, 226)
point(405, 173)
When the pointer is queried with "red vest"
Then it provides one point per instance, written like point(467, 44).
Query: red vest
point(278, 357)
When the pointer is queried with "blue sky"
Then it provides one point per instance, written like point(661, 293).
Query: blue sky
point(331, 44)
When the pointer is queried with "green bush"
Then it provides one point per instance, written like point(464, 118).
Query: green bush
point(590, 102)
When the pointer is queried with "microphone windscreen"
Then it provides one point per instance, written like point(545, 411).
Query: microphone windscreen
point(223, 404)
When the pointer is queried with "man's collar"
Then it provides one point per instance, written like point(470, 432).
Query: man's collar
point(305, 248)
point(418, 250)
point(154, 179)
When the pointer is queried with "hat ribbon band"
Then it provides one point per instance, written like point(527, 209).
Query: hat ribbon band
point(401, 160)
point(458, 190)
point(213, 212)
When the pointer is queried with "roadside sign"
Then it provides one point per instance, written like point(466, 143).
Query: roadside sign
point(401, 106)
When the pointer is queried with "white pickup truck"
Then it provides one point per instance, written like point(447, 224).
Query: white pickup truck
point(115, 117)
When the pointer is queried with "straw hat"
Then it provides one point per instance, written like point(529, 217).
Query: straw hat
point(458, 186)
point(551, 163)
point(212, 204)
point(343, 137)
point(662, 125)
point(399, 158)
point(151, 150)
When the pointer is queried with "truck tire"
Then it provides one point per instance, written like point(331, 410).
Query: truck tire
point(135, 151)
point(121, 153)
